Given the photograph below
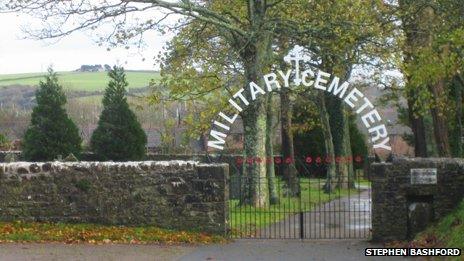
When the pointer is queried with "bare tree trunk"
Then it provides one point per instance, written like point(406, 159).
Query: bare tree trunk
point(347, 180)
point(255, 57)
point(289, 170)
point(331, 182)
point(418, 129)
point(254, 122)
point(459, 132)
point(338, 124)
point(440, 125)
point(270, 171)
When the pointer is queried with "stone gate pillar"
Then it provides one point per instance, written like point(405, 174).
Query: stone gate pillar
point(410, 193)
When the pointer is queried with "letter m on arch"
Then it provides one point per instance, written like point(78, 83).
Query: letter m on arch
point(218, 141)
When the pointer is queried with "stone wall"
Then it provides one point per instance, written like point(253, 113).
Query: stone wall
point(235, 168)
point(401, 207)
point(174, 194)
point(231, 159)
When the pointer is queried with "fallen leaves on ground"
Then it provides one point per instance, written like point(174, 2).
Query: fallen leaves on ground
point(98, 234)
point(426, 240)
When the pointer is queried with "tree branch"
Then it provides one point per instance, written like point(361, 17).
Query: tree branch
point(93, 14)
point(187, 8)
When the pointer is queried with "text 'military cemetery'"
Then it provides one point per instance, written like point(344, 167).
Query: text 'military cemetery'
point(308, 77)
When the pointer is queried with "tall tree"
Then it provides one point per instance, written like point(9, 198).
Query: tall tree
point(289, 171)
point(118, 136)
point(270, 170)
point(349, 40)
point(331, 181)
point(51, 132)
point(212, 71)
point(433, 70)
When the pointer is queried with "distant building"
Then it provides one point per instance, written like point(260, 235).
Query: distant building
point(396, 130)
point(91, 68)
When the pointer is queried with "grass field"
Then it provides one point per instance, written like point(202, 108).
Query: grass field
point(80, 81)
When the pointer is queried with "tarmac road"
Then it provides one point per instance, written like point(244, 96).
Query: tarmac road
point(252, 249)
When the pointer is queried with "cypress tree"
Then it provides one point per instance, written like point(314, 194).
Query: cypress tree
point(51, 132)
point(119, 136)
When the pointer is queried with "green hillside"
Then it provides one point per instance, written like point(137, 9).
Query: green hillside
point(80, 81)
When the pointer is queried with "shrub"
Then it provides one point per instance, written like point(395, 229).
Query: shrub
point(51, 132)
point(119, 136)
point(3, 141)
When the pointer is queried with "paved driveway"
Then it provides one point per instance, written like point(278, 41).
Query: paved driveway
point(342, 218)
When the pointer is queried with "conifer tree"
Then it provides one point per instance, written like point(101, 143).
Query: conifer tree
point(119, 136)
point(51, 132)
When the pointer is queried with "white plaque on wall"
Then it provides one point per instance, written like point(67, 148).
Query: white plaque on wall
point(423, 176)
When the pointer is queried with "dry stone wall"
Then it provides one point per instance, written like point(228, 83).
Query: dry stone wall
point(169, 194)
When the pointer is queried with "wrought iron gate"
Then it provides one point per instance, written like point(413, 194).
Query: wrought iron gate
point(311, 213)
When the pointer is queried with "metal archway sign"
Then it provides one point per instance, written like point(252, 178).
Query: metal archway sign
point(316, 79)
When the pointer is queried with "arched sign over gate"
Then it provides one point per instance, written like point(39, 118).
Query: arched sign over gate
point(317, 79)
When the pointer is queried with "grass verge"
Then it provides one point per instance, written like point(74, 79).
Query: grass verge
point(448, 232)
point(98, 234)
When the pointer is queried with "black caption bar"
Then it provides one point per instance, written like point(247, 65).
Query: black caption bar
point(412, 252)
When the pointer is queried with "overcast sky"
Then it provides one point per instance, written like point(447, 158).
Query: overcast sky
point(18, 55)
